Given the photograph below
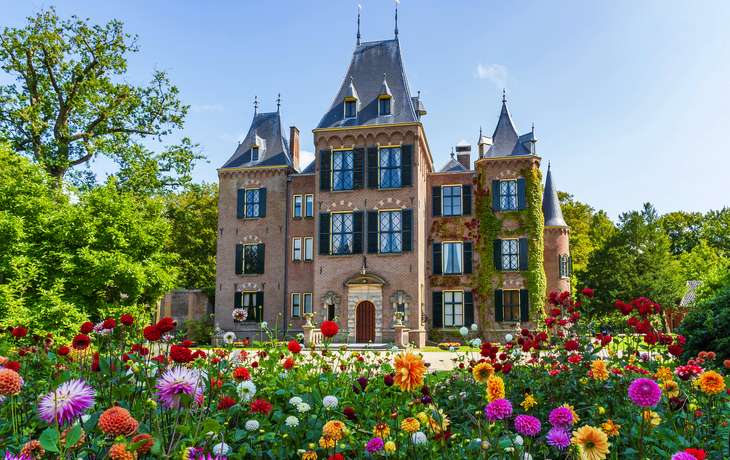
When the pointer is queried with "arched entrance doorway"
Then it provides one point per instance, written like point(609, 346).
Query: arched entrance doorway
point(365, 322)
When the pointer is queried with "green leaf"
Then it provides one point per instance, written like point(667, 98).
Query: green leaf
point(136, 445)
point(211, 425)
point(183, 428)
point(630, 451)
point(73, 436)
point(91, 423)
point(49, 440)
point(157, 446)
point(106, 369)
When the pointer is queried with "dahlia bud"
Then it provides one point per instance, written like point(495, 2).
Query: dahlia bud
point(346, 432)
point(135, 368)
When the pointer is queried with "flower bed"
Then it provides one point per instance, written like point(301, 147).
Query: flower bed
point(128, 390)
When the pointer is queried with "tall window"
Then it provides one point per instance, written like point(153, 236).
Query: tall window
point(308, 249)
point(453, 308)
point(452, 254)
point(252, 202)
point(452, 200)
point(250, 258)
point(511, 304)
point(508, 195)
point(297, 250)
point(307, 303)
point(510, 255)
point(390, 167)
point(384, 106)
point(254, 153)
point(391, 236)
point(295, 299)
point(248, 301)
point(330, 312)
point(342, 233)
point(342, 170)
point(350, 109)
point(297, 206)
point(309, 205)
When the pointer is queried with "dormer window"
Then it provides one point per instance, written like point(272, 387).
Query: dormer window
point(384, 106)
point(255, 153)
point(350, 108)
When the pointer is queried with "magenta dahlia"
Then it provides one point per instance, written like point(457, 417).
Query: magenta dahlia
point(645, 392)
point(177, 381)
point(558, 437)
point(527, 425)
point(561, 417)
point(499, 409)
point(67, 403)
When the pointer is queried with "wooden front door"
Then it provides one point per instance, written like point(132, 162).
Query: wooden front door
point(365, 322)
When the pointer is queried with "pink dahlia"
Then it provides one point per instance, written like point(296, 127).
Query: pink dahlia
point(9, 456)
point(527, 425)
point(562, 417)
point(67, 403)
point(645, 392)
point(683, 456)
point(558, 437)
point(499, 409)
point(375, 445)
point(178, 381)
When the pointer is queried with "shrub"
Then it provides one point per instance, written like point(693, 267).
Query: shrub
point(707, 326)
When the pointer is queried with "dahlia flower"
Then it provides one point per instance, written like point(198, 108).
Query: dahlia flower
point(9, 456)
point(482, 372)
point(645, 392)
point(558, 437)
point(683, 456)
point(303, 408)
point(209, 457)
point(419, 438)
point(498, 409)
point(292, 421)
point(246, 390)
point(295, 400)
point(375, 446)
point(229, 337)
point(593, 442)
point(177, 381)
point(221, 449)
point(409, 370)
point(252, 425)
point(67, 402)
point(330, 402)
point(527, 425)
point(561, 417)
point(495, 388)
point(711, 383)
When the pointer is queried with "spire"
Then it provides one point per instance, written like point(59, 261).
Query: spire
point(278, 104)
point(396, 18)
point(256, 105)
point(551, 203)
point(358, 23)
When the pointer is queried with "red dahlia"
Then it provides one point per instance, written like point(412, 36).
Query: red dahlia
point(226, 403)
point(260, 406)
point(127, 320)
point(241, 374)
point(87, 327)
point(288, 364)
point(95, 366)
point(571, 345)
point(13, 366)
point(187, 343)
point(20, 332)
point(180, 354)
point(349, 413)
point(165, 324)
point(63, 351)
point(81, 342)
point(199, 354)
point(152, 333)
point(329, 329)
point(675, 350)
point(294, 347)
point(110, 324)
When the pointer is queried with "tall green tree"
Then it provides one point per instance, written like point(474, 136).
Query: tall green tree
point(193, 213)
point(684, 230)
point(73, 101)
point(635, 261)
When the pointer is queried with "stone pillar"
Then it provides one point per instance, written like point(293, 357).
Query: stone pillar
point(401, 337)
point(308, 328)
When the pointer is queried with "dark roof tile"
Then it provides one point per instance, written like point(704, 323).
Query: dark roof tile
point(266, 132)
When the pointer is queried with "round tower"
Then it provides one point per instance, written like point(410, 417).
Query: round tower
point(557, 262)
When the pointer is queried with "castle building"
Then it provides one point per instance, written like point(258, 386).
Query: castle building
point(371, 231)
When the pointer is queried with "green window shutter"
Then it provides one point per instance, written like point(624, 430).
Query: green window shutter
point(498, 307)
point(498, 255)
point(521, 199)
point(407, 230)
point(324, 233)
point(406, 169)
point(468, 259)
point(436, 259)
point(260, 258)
point(373, 167)
point(358, 164)
point(325, 169)
point(241, 211)
point(239, 259)
point(262, 202)
point(570, 265)
point(524, 305)
point(373, 232)
point(436, 201)
point(438, 309)
point(523, 253)
point(259, 306)
point(468, 308)
point(562, 266)
point(495, 195)
point(237, 299)
point(357, 232)
point(466, 200)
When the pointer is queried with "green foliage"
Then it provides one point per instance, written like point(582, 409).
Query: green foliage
point(687, 230)
point(73, 102)
point(707, 325)
point(635, 261)
point(700, 261)
point(193, 213)
point(202, 330)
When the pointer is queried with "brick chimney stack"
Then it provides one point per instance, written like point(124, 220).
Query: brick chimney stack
point(463, 153)
point(294, 146)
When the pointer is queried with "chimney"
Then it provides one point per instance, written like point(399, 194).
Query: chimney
point(294, 146)
point(463, 153)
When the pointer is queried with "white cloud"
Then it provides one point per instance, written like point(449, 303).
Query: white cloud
point(496, 73)
point(305, 158)
point(205, 108)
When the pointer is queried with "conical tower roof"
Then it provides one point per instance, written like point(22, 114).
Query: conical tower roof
point(551, 203)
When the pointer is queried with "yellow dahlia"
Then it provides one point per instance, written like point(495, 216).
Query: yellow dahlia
point(409, 370)
point(390, 447)
point(327, 443)
point(410, 425)
point(664, 374)
point(576, 419)
point(381, 430)
point(482, 372)
point(610, 429)
point(671, 388)
point(435, 426)
point(529, 402)
point(592, 443)
point(311, 455)
point(495, 388)
point(600, 372)
point(712, 383)
point(652, 417)
point(333, 430)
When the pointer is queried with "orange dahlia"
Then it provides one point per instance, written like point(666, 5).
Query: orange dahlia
point(119, 452)
point(495, 388)
point(10, 382)
point(133, 427)
point(64, 433)
point(333, 430)
point(576, 419)
point(115, 421)
point(381, 430)
point(409, 370)
point(592, 442)
point(600, 372)
point(610, 428)
point(32, 450)
point(146, 447)
point(327, 443)
point(482, 372)
point(712, 383)
point(410, 425)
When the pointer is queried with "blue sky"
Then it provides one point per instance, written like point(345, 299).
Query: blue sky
point(630, 99)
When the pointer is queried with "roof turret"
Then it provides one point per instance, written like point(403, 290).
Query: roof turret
point(506, 141)
point(551, 204)
point(266, 134)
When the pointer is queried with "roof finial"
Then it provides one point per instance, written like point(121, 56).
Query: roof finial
point(533, 130)
point(480, 132)
point(396, 18)
point(358, 23)
point(256, 105)
point(504, 95)
point(278, 103)
point(452, 152)
point(419, 95)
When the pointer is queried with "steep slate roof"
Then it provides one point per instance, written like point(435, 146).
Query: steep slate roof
point(452, 166)
point(551, 204)
point(309, 169)
point(506, 142)
point(266, 132)
point(369, 62)
point(689, 296)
